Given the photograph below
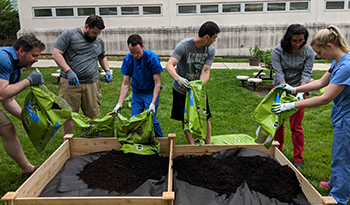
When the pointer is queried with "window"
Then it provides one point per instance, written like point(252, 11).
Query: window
point(209, 8)
point(86, 11)
point(42, 12)
point(132, 10)
point(152, 10)
point(187, 9)
point(276, 6)
point(299, 6)
point(64, 12)
point(257, 7)
point(335, 5)
point(108, 11)
point(231, 8)
point(14, 3)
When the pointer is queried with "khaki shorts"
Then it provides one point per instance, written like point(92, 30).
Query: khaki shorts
point(4, 119)
point(86, 95)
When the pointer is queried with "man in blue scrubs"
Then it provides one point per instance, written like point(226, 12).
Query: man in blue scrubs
point(143, 68)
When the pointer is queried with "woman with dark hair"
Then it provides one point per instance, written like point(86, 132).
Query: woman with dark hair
point(293, 61)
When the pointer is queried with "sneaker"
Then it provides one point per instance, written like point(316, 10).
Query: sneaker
point(325, 184)
point(298, 164)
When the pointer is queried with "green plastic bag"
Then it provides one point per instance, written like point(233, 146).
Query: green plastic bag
point(93, 128)
point(232, 139)
point(137, 134)
point(195, 113)
point(43, 114)
point(269, 122)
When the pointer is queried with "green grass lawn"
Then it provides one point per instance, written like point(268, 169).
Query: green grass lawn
point(231, 105)
point(220, 59)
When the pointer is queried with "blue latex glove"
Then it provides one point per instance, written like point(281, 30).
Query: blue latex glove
point(282, 107)
point(108, 76)
point(35, 78)
point(72, 78)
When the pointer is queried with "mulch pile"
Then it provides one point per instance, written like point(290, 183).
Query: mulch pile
point(224, 176)
point(123, 173)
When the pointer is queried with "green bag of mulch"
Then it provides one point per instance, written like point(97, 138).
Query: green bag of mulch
point(43, 114)
point(93, 128)
point(195, 117)
point(232, 139)
point(269, 122)
point(137, 134)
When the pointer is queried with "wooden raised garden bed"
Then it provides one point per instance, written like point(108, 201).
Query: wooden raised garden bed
point(28, 193)
point(312, 195)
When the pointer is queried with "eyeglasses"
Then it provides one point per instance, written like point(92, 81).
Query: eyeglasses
point(297, 41)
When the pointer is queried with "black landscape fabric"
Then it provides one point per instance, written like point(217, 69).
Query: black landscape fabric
point(234, 176)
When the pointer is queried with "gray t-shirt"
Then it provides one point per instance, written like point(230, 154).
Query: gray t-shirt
point(191, 60)
point(81, 55)
point(293, 68)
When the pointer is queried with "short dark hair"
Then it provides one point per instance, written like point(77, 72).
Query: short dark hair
point(209, 28)
point(94, 20)
point(135, 39)
point(28, 42)
point(294, 29)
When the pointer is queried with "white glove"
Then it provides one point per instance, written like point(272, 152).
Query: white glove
point(152, 108)
point(282, 107)
point(288, 88)
point(183, 82)
point(118, 108)
point(300, 96)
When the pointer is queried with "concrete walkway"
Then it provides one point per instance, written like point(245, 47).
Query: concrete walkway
point(43, 63)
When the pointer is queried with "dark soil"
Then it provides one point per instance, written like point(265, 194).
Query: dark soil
point(123, 173)
point(224, 176)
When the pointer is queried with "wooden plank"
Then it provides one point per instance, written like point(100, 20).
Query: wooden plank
point(170, 195)
point(90, 201)
point(208, 149)
point(46, 172)
point(164, 145)
point(9, 197)
point(310, 192)
point(81, 146)
point(328, 200)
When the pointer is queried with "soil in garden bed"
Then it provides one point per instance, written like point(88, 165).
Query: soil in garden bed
point(224, 176)
point(123, 173)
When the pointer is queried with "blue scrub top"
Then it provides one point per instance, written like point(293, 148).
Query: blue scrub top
point(8, 65)
point(340, 75)
point(142, 74)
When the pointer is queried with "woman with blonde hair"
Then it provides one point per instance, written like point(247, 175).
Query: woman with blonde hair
point(330, 44)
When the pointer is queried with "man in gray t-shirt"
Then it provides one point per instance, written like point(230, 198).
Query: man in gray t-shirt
point(76, 52)
point(193, 58)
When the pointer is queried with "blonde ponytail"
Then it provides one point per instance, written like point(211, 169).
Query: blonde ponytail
point(330, 35)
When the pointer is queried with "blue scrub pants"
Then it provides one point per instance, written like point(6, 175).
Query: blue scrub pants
point(340, 168)
point(139, 103)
